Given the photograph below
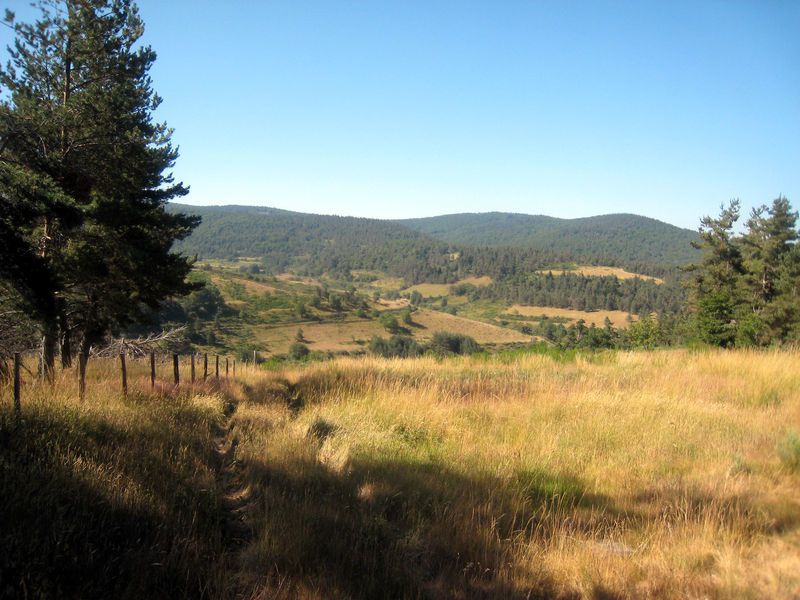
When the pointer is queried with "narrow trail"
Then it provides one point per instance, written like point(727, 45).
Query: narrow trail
point(235, 494)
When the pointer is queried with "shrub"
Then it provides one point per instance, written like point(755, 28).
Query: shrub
point(389, 322)
point(789, 451)
point(298, 351)
point(397, 346)
point(445, 343)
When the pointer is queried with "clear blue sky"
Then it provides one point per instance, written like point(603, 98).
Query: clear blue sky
point(409, 109)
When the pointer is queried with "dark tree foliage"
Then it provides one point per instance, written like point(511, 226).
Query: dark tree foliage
point(397, 346)
point(608, 239)
point(580, 292)
point(446, 343)
point(84, 174)
point(319, 244)
point(745, 291)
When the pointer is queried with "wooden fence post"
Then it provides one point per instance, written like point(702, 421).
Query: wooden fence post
point(124, 373)
point(176, 369)
point(17, 391)
point(226, 367)
point(152, 370)
point(234, 368)
point(216, 366)
point(205, 366)
point(82, 359)
point(192, 367)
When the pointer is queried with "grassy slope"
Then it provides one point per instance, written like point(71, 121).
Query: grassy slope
point(624, 475)
point(273, 330)
point(618, 318)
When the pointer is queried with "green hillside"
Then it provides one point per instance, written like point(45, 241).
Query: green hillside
point(315, 244)
point(604, 239)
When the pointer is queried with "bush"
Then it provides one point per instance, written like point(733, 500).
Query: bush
point(463, 289)
point(298, 351)
point(789, 451)
point(397, 346)
point(389, 322)
point(445, 343)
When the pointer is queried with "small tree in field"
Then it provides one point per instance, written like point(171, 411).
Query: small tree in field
point(298, 351)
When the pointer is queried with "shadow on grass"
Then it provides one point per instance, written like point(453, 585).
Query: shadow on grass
point(90, 510)
point(388, 529)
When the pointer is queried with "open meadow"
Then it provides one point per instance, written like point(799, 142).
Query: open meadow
point(665, 474)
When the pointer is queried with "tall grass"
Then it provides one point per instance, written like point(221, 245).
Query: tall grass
point(111, 497)
point(664, 474)
point(625, 475)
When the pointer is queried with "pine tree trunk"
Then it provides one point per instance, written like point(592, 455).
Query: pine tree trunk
point(66, 349)
point(66, 335)
point(49, 349)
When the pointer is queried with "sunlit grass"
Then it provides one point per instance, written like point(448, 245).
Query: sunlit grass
point(629, 475)
point(668, 474)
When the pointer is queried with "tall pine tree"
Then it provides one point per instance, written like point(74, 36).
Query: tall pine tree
point(78, 121)
point(716, 279)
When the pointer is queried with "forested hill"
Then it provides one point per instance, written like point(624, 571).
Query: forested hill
point(440, 249)
point(607, 239)
point(315, 243)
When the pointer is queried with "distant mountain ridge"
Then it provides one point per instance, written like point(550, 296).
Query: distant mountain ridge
point(625, 237)
point(423, 249)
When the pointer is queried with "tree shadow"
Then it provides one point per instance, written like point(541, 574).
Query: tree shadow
point(384, 528)
point(90, 510)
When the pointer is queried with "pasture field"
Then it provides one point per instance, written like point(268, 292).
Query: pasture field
point(250, 286)
point(337, 336)
point(354, 334)
point(434, 290)
point(664, 474)
point(618, 318)
point(599, 271)
point(432, 321)
point(429, 290)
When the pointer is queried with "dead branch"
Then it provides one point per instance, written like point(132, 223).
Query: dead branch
point(163, 341)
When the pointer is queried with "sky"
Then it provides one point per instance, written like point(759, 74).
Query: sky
point(412, 109)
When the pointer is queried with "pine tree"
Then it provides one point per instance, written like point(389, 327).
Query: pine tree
point(716, 282)
point(79, 122)
point(770, 236)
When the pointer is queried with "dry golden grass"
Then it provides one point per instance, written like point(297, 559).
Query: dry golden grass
point(325, 337)
point(355, 334)
point(429, 290)
point(618, 318)
point(483, 333)
point(433, 290)
point(299, 279)
point(384, 304)
point(251, 286)
point(646, 475)
point(613, 475)
point(477, 281)
point(112, 497)
point(596, 271)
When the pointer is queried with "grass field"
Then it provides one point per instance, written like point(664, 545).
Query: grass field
point(648, 475)
point(596, 271)
point(667, 474)
point(483, 333)
point(434, 290)
point(618, 318)
point(252, 287)
point(352, 334)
